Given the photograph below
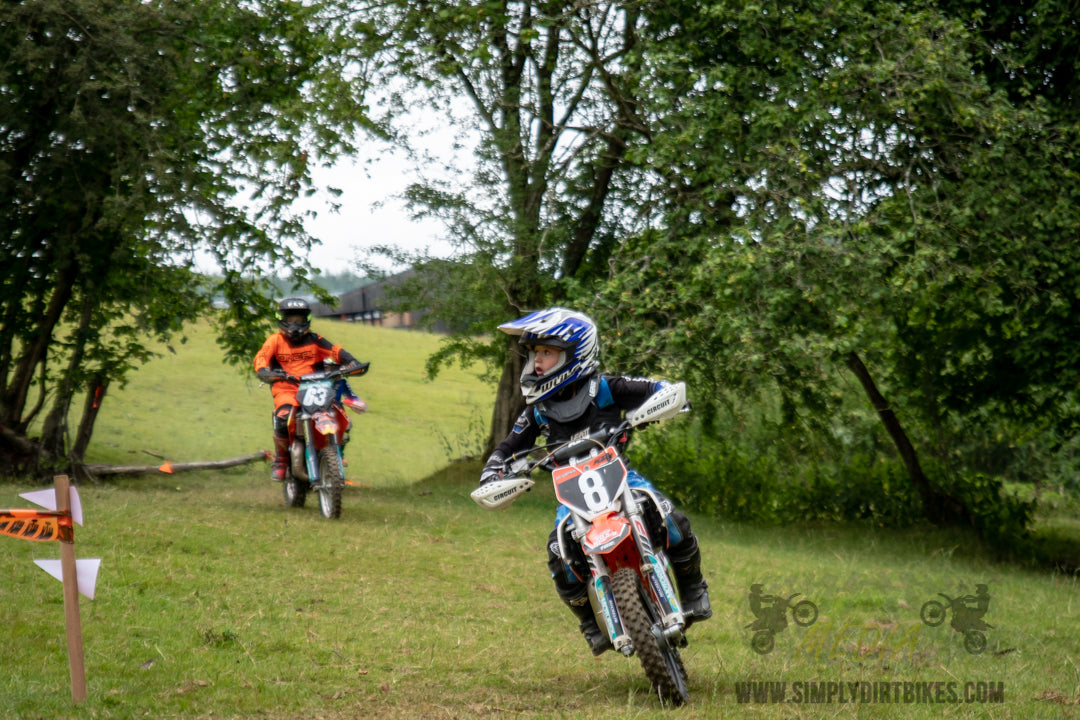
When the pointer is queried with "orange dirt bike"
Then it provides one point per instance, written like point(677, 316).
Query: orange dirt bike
point(318, 431)
point(632, 587)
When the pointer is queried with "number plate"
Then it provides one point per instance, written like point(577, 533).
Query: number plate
point(316, 395)
point(591, 487)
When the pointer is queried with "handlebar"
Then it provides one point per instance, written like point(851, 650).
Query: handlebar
point(521, 464)
point(341, 371)
point(663, 404)
point(351, 370)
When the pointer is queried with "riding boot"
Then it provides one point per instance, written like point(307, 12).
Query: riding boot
point(597, 638)
point(693, 590)
point(280, 463)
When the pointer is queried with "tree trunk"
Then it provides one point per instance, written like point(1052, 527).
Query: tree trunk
point(13, 402)
point(589, 221)
point(55, 428)
point(17, 450)
point(94, 398)
point(939, 508)
point(508, 402)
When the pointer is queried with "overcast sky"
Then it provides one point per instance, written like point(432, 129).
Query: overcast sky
point(371, 214)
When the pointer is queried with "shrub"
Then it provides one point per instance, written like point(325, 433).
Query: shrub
point(736, 481)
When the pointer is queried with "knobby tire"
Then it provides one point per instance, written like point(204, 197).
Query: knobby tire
point(294, 490)
point(661, 663)
point(331, 481)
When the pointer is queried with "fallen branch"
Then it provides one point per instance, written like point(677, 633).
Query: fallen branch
point(172, 467)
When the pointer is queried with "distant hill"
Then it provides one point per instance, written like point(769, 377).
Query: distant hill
point(338, 284)
point(335, 284)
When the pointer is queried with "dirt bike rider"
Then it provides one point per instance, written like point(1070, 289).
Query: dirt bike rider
point(969, 610)
point(770, 610)
point(292, 351)
point(566, 394)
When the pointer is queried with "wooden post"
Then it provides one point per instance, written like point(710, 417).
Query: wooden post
point(71, 597)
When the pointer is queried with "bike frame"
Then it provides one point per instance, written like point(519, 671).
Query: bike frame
point(606, 518)
point(318, 421)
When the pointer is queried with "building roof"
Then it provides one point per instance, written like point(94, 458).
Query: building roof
point(361, 300)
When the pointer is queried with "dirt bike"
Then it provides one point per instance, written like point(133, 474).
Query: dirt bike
point(317, 436)
point(804, 613)
point(933, 613)
point(632, 587)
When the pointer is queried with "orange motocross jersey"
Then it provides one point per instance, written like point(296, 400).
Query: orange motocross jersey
point(298, 358)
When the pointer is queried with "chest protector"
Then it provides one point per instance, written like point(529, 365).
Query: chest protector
point(600, 411)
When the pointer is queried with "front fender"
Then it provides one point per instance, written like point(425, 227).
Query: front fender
point(606, 533)
point(325, 423)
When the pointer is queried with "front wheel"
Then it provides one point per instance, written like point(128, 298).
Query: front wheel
point(933, 613)
point(659, 659)
point(331, 481)
point(804, 613)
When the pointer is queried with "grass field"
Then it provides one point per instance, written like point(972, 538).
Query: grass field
point(216, 601)
point(188, 406)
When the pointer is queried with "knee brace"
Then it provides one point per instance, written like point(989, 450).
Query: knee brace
point(679, 533)
point(569, 579)
point(281, 421)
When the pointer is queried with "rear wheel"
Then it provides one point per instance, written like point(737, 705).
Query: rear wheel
point(331, 481)
point(762, 642)
point(974, 642)
point(658, 657)
point(295, 491)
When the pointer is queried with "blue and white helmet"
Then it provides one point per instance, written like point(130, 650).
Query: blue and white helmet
point(573, 333)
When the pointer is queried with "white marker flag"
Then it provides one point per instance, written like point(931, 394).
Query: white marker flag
point(86, 572)
point(47, 499)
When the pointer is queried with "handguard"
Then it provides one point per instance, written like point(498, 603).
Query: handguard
point(500, 494)
point(662, 405)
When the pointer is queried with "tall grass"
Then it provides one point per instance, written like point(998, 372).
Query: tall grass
point(216, 601)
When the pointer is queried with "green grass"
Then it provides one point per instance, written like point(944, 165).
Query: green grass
point(216, 601)
point(189, 406)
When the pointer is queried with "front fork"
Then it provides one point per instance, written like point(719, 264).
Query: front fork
point(599, 587)
point(600, 590)
point(311, 456)
point(654, 570)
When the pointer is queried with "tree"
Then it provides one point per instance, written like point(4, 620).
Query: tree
point(552, 96)
point(127, 131)
point(831, 178)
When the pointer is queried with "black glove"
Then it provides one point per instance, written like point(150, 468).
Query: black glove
point(270, 376)
point(493, 469)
